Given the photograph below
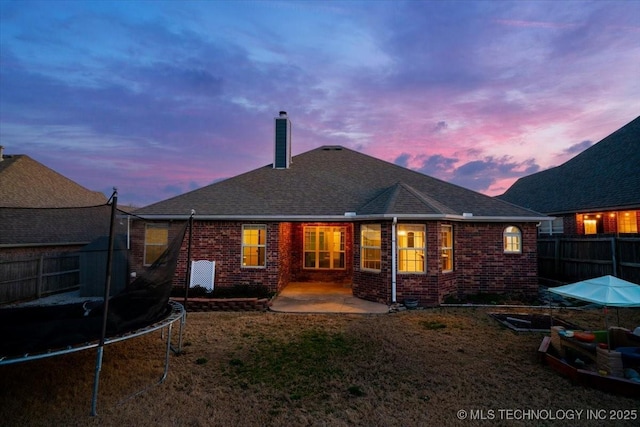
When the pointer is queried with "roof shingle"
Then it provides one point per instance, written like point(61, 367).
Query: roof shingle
point(330, 181)
point(603, 177)
point(38, 206)
point(28, 183)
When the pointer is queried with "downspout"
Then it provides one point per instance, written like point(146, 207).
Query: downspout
point(394, 255)
point(128, 232)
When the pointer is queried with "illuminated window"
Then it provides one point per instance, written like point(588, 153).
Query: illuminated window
point(627, 222)
point(512, 240)
point(254, 245)
point(370, 238)
point(411, 248)
point(156, 240)
point(324, 247)
point(446, 240)
point(590, 226)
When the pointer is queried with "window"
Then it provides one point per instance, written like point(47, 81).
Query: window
point(324, 247)
point(552, 227)
point(370, 244)
point(512, 240)
point(411, 248)
point(254, 245)
point(590, 226)
point(446, 240)
point(156, 240)
point(627, 222)
point(593, 223)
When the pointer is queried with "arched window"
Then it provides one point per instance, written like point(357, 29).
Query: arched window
point(512, 238)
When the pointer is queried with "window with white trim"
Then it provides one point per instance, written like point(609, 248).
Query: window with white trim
point(156, 240)
point(411, 248)
point(446, 249)
point(324, 247)
point(512, 240)
point(254, 245)
point(552, 227)
point(370, 246)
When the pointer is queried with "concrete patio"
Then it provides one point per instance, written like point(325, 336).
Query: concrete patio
point(321, 297)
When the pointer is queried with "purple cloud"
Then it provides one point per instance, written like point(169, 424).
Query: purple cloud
point(158, 98)
point(577, 148)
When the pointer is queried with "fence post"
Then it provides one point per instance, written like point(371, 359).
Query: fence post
point(556, 257)
point(614, 262)
point(40, 275)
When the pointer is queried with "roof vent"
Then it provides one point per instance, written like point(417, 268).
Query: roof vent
point(282, 149)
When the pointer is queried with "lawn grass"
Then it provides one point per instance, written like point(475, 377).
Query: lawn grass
point(412, 368)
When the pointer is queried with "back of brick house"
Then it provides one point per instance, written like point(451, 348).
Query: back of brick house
point(336, 215)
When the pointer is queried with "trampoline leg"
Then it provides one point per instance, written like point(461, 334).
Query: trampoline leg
point(178, 351)
point(183, 320)
point(96, 381)
point(166, 356)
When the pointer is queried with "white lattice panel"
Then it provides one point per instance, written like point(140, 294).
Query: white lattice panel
point(202, 274)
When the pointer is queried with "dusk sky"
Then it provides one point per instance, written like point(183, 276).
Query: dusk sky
point(158, 98)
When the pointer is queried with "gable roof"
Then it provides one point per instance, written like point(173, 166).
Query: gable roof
point(28, 183)
point(38, 206)
point(606, 176)
point(330, 181)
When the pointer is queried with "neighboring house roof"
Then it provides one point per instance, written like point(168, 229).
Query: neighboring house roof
point(330, 181)
point(21, 227)
point(28, 183)
point(606, 176)
point(38, 206)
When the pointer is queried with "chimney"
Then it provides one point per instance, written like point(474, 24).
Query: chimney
point(282, 151)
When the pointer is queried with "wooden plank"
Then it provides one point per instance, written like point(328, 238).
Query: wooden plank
point(544, 345)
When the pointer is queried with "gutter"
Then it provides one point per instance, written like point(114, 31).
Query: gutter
point(595, 209)
point(350, 217)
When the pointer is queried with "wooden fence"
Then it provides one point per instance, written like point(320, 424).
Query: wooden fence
point(566, 260)
point(30, 278)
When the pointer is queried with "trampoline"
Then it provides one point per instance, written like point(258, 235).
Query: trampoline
point(176, 312)
point(31, 332)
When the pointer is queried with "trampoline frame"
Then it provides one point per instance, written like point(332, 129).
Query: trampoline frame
point(178, 313)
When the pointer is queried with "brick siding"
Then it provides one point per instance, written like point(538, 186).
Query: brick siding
point(221, 241)
point(480, 264)
point(574, 223)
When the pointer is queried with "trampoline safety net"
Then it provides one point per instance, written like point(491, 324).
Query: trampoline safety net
point(35, 328)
